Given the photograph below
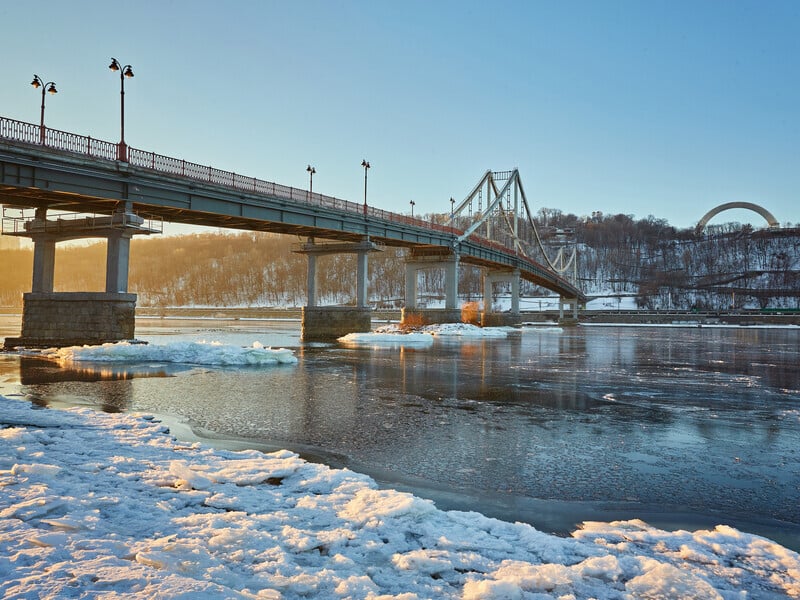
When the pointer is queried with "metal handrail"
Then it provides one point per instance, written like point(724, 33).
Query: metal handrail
point(25, 222)
point(28, 133)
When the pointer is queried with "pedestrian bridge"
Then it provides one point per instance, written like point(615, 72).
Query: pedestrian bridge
point(61, 171)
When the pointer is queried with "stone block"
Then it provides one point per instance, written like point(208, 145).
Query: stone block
point(75, 318)
point(328, 323)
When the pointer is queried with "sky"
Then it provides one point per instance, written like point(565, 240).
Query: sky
point(642, 108)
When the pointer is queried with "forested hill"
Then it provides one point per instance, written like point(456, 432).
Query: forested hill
point(660, 265)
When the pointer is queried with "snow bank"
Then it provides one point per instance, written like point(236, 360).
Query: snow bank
point(95, 504)
point(196, 353)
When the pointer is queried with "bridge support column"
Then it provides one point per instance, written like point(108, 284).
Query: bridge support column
point(362, 279)
point(75, 318)
point(571, 302)
point(44, 263)
point(490, 318)
point(44, 253)
point(311, 295)
point(451, 284)
point(327, 323)
point(118, 252)
point(412, 314)
point(411, 284)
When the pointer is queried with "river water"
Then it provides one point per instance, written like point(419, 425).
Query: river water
point(683, 427)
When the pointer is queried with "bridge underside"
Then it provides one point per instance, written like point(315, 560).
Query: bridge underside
point(443, 253)
point(67, 186)
point(37, 178)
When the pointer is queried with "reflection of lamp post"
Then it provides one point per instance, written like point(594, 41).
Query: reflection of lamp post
point(311, 170)
point(412, 203)
point(48, 87)
point(365, 164)
point(126, 71)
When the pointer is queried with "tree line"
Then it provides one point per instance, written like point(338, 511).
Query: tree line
point(661, 266)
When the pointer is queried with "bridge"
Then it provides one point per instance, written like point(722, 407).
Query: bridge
point(50, 170)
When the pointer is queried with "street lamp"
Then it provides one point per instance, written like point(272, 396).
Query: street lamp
point(365, 164)
point(311, 170)
point(452, 208)
point(412, 203)
point(126, 71)
point(48, 87)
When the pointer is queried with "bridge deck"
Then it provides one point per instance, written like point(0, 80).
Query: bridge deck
point(81, 174)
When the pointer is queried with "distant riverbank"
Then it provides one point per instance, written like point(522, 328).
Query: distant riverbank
point(643, 317)
point(774, 317)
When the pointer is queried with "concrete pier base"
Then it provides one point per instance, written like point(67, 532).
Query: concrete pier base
point(429, 316)
point(58, 319)
point(495, 319)
point(327, 323)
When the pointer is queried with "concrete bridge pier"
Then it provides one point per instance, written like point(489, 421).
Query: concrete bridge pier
point(566, 319)
point(451, 313)
point(490, 318)
point(52, 318)
point(327, 323)
point(44, 254)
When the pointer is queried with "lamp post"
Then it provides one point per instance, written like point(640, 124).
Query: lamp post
point(452, 208)
point(412, 203)
point(49, 87)
point(365, 164)
point(311, 170)
point(126, 71)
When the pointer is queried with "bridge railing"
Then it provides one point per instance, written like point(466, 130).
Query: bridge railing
point(83, 145)
point(54, 139)
point(19, 131)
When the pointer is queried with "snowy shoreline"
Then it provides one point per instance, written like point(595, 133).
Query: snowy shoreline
point(110, 503)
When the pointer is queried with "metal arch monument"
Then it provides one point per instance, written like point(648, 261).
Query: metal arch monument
point(768, 217)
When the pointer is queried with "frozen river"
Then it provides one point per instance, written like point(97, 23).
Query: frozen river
point(682, 427)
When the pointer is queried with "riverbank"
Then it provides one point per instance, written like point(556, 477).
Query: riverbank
point(630, 317)
point(122, 507)
point(633, 317)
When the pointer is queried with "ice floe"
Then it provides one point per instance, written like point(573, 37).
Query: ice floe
point(195, 353)
point(110, 505)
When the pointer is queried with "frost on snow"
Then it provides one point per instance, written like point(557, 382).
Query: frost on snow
point(94, 504)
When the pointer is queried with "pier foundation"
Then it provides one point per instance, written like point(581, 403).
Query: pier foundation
point(429, 316)
point(328, 323)
point(58, 319)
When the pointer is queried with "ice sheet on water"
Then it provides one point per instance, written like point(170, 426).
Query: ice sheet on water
point(394, 334)
point(387, 337)
point(224, 524)
point(196, 353)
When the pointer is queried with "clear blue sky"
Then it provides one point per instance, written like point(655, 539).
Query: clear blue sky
point(635, 107)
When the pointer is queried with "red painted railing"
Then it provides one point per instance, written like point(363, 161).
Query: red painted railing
point(54, 139)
